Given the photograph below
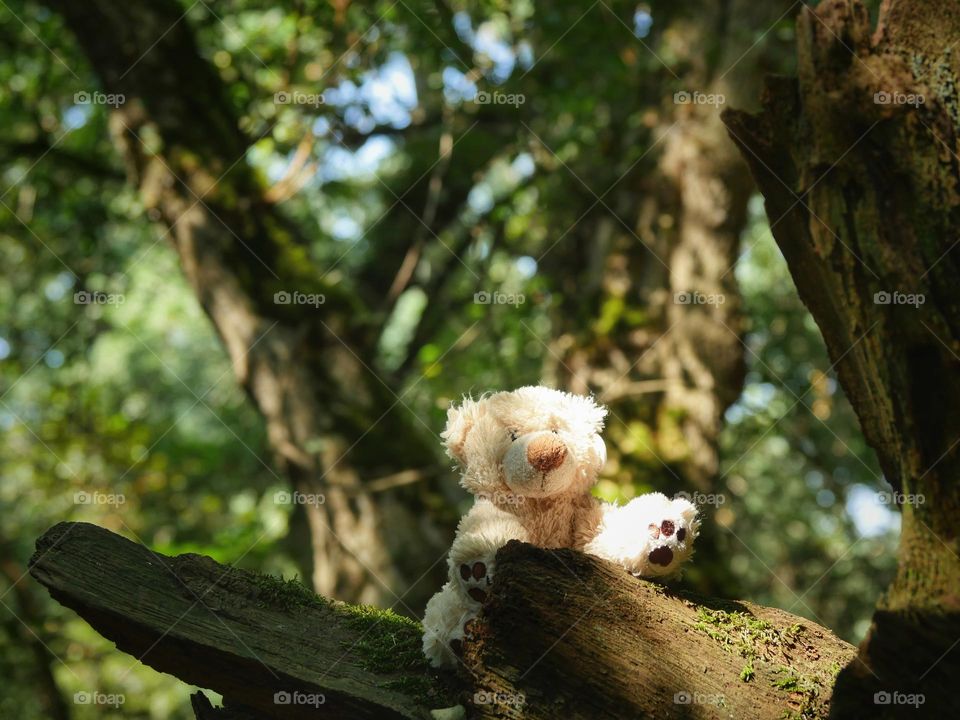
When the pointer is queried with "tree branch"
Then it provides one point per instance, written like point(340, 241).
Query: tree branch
point(565, 635)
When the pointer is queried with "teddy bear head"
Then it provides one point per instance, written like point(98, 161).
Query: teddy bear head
point(532, 442)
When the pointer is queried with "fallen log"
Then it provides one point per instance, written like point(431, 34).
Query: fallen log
point(564, 635)
point(272, 648)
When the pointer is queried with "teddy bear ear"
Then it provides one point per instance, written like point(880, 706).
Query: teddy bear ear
point(595, 413)
point(459, 421)
point(599, 452)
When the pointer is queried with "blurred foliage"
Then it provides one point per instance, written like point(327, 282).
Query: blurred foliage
point(135, 400)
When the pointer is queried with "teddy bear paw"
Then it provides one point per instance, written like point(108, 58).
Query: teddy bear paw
point(475, 579)
point(669, 544)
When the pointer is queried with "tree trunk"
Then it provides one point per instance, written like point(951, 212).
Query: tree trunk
point(668, 231)
point(615, 647)
point(24, 624)
point(331, 421)
point(857, 160)
point(652, 319)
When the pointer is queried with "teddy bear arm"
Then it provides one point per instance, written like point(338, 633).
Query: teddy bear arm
point(651, 536)
point(472, 560)
point(603, 538)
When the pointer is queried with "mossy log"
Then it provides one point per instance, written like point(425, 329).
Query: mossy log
point(257, 640)
point(564, 635)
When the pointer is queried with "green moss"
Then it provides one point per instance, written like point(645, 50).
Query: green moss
point(284, 594)
point(738, 632)
point(758, 641)
point(389, 645)
point(789, 682)
point(805, 690)
point(390, 642)
point(384, 643)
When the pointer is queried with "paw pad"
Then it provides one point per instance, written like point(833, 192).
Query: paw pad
point(661, 556)
point(477, 594)
point(476, 579)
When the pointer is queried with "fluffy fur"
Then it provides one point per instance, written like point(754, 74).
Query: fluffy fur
point(530, 457)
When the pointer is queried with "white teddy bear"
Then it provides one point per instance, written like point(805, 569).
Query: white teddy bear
point(530, 457)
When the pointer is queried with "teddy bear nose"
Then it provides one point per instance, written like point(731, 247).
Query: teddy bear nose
point(546, 453)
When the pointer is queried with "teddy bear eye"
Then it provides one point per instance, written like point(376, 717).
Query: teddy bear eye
point(513, 435)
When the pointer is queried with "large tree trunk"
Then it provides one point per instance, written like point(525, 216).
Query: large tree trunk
point(615, 647)
point(651, 314)
point(857, 160)
point(330, 419)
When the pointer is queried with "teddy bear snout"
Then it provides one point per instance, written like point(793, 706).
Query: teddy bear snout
point(546, 453)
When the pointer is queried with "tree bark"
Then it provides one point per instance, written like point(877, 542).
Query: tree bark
point(565, 635)
point(857, 160)
point(243, 635)
point(331, 421)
